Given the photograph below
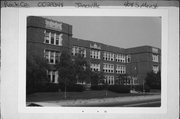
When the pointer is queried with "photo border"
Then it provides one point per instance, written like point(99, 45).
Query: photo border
point(23, 13)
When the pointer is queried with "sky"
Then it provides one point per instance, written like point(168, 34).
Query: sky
point(123, 32)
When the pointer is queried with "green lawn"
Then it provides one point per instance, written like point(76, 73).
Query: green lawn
point(55, 96)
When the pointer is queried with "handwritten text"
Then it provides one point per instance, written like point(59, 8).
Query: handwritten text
point(140, 4)
point(85, 5)
point(15, 4)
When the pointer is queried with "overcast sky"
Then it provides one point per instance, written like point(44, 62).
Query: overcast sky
point(124, 32)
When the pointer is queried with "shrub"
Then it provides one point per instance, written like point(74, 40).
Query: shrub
point(158, 87)
point(77, 88)
point(140, 88)
point(98, 87)
point(73, 88)
point(153, 80)
point(119, 88)
point(52, 87)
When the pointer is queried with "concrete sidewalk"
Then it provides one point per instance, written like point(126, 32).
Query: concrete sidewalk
point(90, 102)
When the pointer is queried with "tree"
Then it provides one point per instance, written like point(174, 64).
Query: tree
point(65, 69)
point(121, 78)
point(153, 80)
point(82, 70)
point(36, 73)
point(77, 70)
point(97, 78)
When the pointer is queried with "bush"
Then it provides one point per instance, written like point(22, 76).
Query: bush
point(73, 88)
point(77, 88)
point(119, 88)
point(158, 87)
point(98, 87)
point(153, 80)
point(140, 88)
point(52, 87)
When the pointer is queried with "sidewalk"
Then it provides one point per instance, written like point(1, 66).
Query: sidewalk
point(88, 102)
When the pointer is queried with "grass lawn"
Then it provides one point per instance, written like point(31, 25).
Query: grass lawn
point(55, 96)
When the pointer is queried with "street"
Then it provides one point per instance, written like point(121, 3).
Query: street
point(145, 104)
point(135, 101)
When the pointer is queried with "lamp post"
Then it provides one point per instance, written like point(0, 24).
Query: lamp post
point(106, 91)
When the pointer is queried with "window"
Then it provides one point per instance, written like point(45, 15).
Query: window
point(57, 39)
point(78, 50)
point(60, 39)
point(120, 69)
point(53, 76)
point(52, 56)
point(95, 67)
point(155, 58)
point(128, 58)
point(108, 68)
point(108, 56)
point(95, 54)
point(109, 79)
point(47, 37)
point(53, 38)
point(120, 58)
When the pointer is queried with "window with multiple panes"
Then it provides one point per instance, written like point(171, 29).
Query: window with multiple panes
point(108, 56)
point(120, 58)
point(47, 37)
point(95, 67)
point(120, 69)
point(57, 39)
point(53, 38)
point(95, 54)
point(128, 58)
point(52, 56)
point(53, 76)
point(108, 68)
point(109, 80)
point(78, 50)
point(155, 58)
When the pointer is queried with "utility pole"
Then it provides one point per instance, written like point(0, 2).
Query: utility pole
point(143, 86)
point(106, 93)
point(106, 88)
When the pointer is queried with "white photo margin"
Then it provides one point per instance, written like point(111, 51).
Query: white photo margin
point(24, 12)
